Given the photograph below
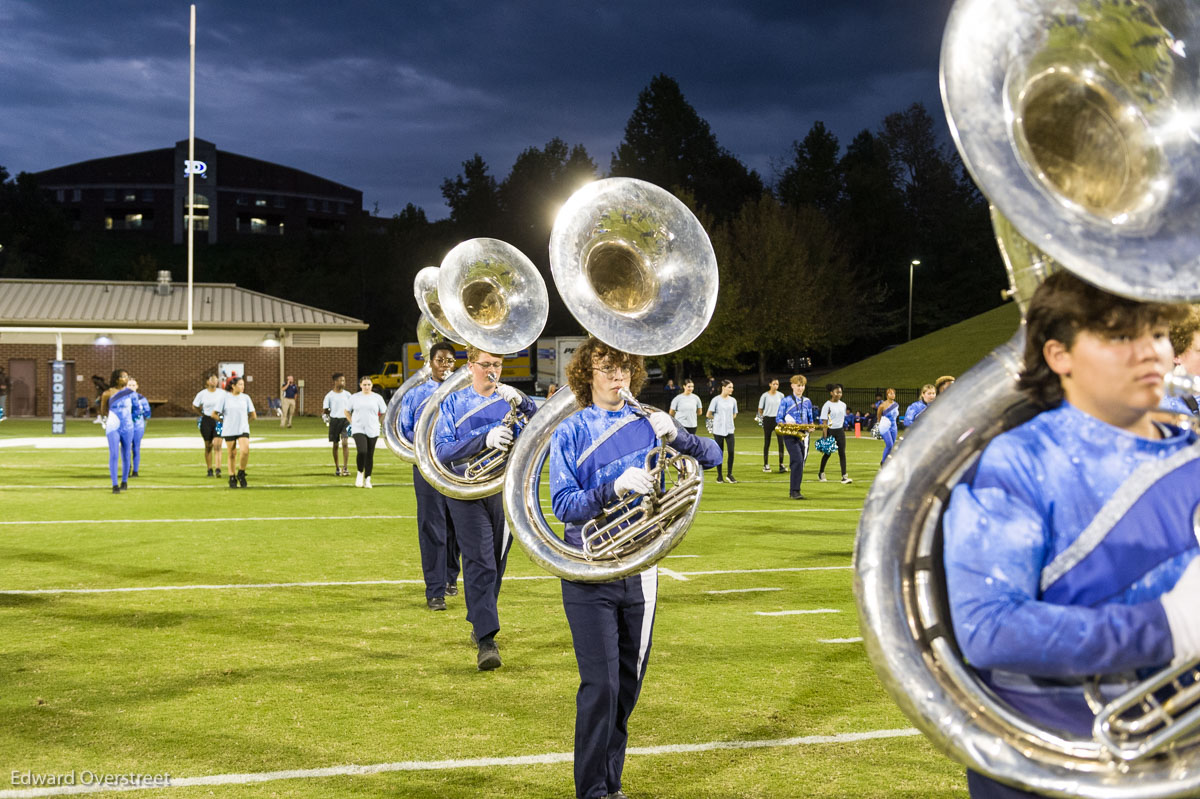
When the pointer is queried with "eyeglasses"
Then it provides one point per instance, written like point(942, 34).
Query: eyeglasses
point(488, 365)
point(447, 361)
point(613, 372)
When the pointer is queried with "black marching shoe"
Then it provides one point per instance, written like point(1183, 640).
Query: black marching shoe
point(451, 589)
point(232, 481)
point(435, 603)
point(218, 471)
point(796, 495)
point(124, 485)
point(618, 795)
point(210, 474)
point(729, 479)
point(488, 657)
point(133, 473)
point(241, 478)
point(116, 489)
point(783, 469)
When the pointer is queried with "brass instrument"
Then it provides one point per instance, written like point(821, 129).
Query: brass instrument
point(793, 429)
point(490, 294)
point(401, 447)
point(1075, 119)
point(637, 270)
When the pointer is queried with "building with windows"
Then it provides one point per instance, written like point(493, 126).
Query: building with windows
point(263, 338)
point(145, 194)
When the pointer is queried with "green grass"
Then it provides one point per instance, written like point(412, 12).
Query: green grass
point(241, 681)
point(949, 351)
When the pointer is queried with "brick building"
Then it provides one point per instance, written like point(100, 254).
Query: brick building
point(145, 194)
point(269, 337)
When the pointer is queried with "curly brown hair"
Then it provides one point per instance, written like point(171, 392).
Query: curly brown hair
point(1061, 308)
point(593, 352)
point(1185, 330)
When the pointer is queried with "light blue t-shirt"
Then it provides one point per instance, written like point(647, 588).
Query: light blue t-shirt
point(723, 410)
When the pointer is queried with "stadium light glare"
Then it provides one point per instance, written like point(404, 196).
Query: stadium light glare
point(270, 340)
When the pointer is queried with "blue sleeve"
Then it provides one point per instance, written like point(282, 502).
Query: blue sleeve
point(785, 407)
point(570, 501)
point(706, 451)
point(910, 414)
point(447, 446)
point(146, 409)
point(408, 415)
point(996, 544)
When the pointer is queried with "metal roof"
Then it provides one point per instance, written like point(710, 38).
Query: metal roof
point(90, 303)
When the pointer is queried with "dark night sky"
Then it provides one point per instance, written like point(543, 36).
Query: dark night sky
point(391, 97)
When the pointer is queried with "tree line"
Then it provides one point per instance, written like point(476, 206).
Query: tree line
point(814, 261)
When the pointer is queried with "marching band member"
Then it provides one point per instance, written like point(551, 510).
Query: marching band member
point(468, 423)
point(236, 410)
point(768, 413)
point(140, 409)
point(888, 414)
point(205, 403)
point(1069, 548)
point(1185, 342)
point(435, 532)
point(796, 409)
point(928, 395)
point(116, 409)
point(596, 456)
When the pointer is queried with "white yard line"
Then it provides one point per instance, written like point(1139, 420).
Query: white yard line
point(548, 758)
point(680, 576)
point(839, 640)
point(794, 612)
point(205, 520)
point(742, 590)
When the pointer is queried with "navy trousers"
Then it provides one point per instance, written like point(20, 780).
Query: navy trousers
point(484, 541)
point(797, 447)
point(611, 626)
point(435, 535)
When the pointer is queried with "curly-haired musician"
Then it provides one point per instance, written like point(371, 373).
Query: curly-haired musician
point(1069, 550)
point(1185, 342)
point(435, 530)
point(469, 422)
point(596, 456)
point(796, 409)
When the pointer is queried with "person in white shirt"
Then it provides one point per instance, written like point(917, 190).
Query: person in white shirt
point(236, 411)
point(833, 423)
point(205, 403)
point(768, 409)
point(723, 409)
point(365, 410)
point(686, 407)
point(333, 408)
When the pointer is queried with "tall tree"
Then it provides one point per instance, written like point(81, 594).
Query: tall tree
point(667, 143)
point(814, 176)
point(473, 198)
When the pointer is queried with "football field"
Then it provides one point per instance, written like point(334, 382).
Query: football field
point(274, 640)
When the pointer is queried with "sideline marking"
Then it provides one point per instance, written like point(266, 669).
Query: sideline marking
point(206, 520)
point(549, 758)
point(839, 640)
point(742, 590)
point(674, 575)
point(794, 612)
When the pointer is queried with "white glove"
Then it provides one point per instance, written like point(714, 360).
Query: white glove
point(635, 479)
point(664, 426)
point(500, 437)
point(789, 419)
point(508, 393)
point(1181, 603)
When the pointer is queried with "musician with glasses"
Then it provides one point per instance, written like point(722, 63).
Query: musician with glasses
point(469, 423)
point(435, 531)
point(1069, 548)
point(597, 456)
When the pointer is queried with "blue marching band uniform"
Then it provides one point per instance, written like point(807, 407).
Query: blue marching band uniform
point(611, 622)
point(140, 408)
point(888, 421)
point(1058, 549)
point(913, 411)
point(118, 428)
point(796, 411)
point(465, 419)
point(435, 530)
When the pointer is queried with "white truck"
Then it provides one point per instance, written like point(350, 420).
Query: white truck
point(553, 355)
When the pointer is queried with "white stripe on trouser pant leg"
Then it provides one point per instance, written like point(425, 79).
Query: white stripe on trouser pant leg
point(505, 540)
point(650, 594)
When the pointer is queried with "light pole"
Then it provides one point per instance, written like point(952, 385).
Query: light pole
point(911, 264)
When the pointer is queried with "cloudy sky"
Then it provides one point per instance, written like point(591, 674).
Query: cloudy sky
point(391, 96)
